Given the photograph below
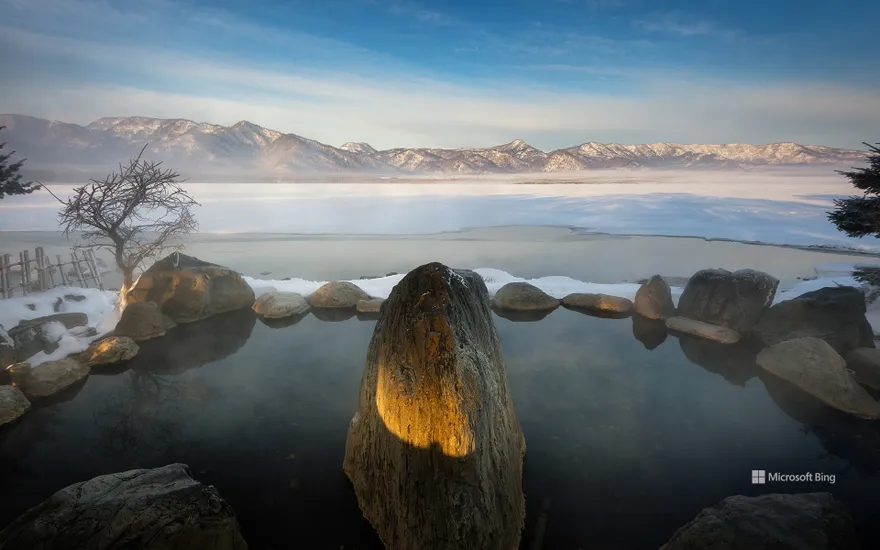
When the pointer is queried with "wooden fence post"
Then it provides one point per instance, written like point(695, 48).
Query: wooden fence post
point(5, 291)
point(78, 269)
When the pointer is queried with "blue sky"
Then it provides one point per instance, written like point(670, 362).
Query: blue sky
point(415, 73)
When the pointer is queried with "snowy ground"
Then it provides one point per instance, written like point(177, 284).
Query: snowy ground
point(100, 305)
point(772, 207)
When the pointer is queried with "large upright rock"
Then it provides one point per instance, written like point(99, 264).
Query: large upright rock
point(812, 365)
point(188, 289)
point(808, 521)
point(836, 315)
point(734, 300)
point(654, 299)
point(159, 509)
point(435, 449)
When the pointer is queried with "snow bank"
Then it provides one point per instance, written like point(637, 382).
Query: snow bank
point(555, 286)
point(98, 305)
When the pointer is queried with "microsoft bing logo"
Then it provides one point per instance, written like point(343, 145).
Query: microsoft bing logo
point(759, 477)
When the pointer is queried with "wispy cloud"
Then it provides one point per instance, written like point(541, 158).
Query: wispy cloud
point(684, 25)
point(368, 96)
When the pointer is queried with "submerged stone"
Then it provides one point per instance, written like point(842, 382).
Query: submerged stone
point(435, 449)
point(715, 333)
point(598, 303)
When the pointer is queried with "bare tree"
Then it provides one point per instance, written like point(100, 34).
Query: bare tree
point(137, 213)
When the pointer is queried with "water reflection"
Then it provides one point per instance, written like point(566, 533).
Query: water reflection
point(650, 332)
point(194, 345)
point(329, 315)
point(855, 440)
point(521, 316)
point(736, 363)
point(283, 322)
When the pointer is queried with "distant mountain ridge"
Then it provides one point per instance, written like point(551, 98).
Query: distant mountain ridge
point(245, 147)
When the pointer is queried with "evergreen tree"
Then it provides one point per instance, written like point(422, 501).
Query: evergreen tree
point(10, 179)
point(860, 216)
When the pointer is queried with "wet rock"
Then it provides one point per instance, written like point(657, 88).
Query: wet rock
point(337, 295)
point(715, 333)
point(523, 297)
point(812, 365)
point(435, 449)
point(598, 303)
point(370, 306)
point(109, 351)
point(278, 305)
point(49, 378)
point(141, 321)
point(18, 372)
point(158, 509)
point(188, 289)
point(654, 299)
point(733, 300)
point(650, 332)
point(865, 363)
point(836, 315)
point(13, 404)
point(808, 521)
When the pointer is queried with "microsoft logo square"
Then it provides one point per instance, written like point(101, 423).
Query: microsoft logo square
point(759, 477)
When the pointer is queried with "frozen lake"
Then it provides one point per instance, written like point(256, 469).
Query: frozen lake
point(772, 207)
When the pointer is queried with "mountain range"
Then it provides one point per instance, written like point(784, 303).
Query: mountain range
point(59, 151)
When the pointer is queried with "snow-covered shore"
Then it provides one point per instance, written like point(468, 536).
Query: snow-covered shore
point(100, 308)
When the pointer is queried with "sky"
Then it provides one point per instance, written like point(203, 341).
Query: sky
point(414, 73)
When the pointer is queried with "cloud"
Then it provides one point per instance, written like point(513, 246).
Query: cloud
point(684, 25)
point(372, 97)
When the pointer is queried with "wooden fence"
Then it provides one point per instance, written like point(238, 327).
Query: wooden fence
point(29, 275)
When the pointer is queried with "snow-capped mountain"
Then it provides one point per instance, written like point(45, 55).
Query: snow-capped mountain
point(245, 148)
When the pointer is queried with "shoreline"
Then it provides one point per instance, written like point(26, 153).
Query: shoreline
point(476, 230)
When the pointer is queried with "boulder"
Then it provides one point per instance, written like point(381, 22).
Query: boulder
point(337, 295)
point(654, 299)
point(69, 320)
point(141, 321)
point(53, 377)
point(807, 521)
point(18, 373)
point(650, 332)
point(733, 300)
point(13, 404)
point(715, 333)
point(523, 297)
point(598, 303)
point(370, 306)
point(158, 509)
point(109, 351)
point(435, 449)
point(865, 363)
point(812, 365)
point(836, 315)
point(188, 289)
point(278, 305)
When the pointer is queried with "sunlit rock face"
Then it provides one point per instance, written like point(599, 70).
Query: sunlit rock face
point(435, 449)
point(188, 289)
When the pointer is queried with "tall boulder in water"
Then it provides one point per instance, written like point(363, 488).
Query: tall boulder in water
point(435, 449)
point(733, 300)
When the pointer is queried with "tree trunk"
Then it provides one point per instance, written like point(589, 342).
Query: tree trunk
point(127, 282)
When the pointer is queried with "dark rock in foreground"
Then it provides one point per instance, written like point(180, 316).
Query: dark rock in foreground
point(654, 299)
point(188, 289)
point(809, 521)
point(159, 509)
point(733, 300)
point(435, 449)
point(836, 315)
point(523, 297)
